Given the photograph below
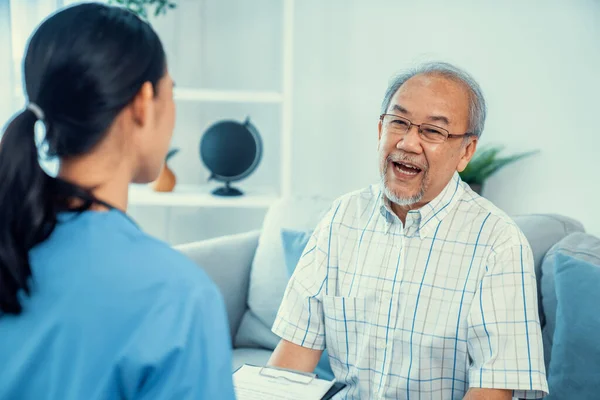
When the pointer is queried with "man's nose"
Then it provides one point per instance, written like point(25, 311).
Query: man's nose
point(411, 141)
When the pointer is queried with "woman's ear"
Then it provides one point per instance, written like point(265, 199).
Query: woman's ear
point(142, 104)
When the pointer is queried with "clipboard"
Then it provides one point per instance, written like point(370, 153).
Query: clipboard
point(304, 378)
point(295, 378)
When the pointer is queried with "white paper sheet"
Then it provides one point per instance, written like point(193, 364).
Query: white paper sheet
point(278, 385)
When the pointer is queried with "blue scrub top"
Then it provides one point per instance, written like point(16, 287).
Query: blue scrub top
point(115, 314)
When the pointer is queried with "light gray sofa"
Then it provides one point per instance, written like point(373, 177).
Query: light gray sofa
point(228, 261)
point(245, 267)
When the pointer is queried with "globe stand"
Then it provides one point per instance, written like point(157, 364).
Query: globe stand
point(227, 191)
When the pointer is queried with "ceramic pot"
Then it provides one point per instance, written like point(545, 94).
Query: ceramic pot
point(166, 179)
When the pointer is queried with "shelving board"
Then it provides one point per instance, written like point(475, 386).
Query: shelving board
point(186, 195)
point(231, 96)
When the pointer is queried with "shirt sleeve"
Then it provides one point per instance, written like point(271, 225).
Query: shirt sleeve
point(300, 318)
point(182, 350)
point(504, 338)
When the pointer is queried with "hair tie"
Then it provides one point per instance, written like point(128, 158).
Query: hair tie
point(36, 110)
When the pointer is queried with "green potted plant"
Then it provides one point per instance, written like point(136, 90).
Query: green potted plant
point(144, 7)
point(485, 162)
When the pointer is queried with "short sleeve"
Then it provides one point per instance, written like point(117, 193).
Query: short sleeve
point(300, 318)
point(182, 349)
point(504, 338)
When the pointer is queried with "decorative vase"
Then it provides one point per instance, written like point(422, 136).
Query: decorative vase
point(166, 179)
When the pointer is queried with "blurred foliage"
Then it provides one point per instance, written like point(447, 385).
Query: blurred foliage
point(171, 153)
point(486, 162)
point(143, 8)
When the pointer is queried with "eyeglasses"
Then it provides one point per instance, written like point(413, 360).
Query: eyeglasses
point(397, 125)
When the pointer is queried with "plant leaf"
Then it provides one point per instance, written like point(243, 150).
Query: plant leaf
point(482, 157)
point(486, 162)
point(171, 153)
point(494, 167)
point(143, 7)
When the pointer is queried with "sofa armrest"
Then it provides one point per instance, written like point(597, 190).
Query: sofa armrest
point(227, 261)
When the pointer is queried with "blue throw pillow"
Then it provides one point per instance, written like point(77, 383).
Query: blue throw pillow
point(294, 243)
point(575, 362)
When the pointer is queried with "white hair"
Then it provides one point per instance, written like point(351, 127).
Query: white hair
point(477, 107)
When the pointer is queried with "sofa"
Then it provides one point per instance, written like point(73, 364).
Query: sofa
point(250, 270)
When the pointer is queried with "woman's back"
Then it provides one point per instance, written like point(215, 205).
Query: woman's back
point(91, 307)
point(115, 314)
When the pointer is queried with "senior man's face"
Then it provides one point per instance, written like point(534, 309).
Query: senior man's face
point(414, 171)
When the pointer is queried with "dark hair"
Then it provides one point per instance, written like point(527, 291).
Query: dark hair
point(83, 65)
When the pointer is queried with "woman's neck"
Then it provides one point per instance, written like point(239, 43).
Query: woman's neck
point(108, 183)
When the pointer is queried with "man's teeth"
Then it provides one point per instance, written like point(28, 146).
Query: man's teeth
point(409, 170)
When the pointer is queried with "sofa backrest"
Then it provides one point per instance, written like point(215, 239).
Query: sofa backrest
point(227, 261)
point(544, 231)
point(569, 286)
point(269, 275)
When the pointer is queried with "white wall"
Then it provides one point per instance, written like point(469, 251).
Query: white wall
point(219, 44)
point(6, 66)
point(537, 62)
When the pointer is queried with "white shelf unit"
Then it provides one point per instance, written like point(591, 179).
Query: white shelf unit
point(199, 195)
point(229, 96)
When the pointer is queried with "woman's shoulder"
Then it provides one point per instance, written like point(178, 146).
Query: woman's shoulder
point(118, 255)
point(157, 260)
point(114, 247)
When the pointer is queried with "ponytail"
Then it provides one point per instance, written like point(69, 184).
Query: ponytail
point(78, 95)
point(29, 203)
point(24, 210)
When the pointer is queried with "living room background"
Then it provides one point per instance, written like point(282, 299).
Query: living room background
point(536, 62)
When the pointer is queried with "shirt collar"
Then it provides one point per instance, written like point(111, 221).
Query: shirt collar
point(424, 220)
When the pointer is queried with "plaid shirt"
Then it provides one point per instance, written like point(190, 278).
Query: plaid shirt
point(425, 310)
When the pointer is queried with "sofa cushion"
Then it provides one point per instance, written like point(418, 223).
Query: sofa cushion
point(254, 333)
point(542, 232)
point(230, 270)
point(574, 265)
point(548, 290)
point(258, 357)
point(294, 242)
point(269, 275)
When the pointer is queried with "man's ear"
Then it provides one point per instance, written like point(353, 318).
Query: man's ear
point(142, 103)
point(379, 134)
point(467, 152)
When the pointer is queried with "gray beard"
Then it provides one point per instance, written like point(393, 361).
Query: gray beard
point(397, 198)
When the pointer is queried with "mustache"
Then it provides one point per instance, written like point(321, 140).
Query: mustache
point(401, 157)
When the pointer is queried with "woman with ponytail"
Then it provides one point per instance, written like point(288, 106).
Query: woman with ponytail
point(90, 306)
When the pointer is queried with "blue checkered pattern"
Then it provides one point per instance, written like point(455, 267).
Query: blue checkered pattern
point(421, 311)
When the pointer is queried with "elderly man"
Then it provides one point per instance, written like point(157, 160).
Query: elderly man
point(418, 287)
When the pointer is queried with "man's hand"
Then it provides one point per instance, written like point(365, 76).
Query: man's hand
point(291, 356)
point(488, 394)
